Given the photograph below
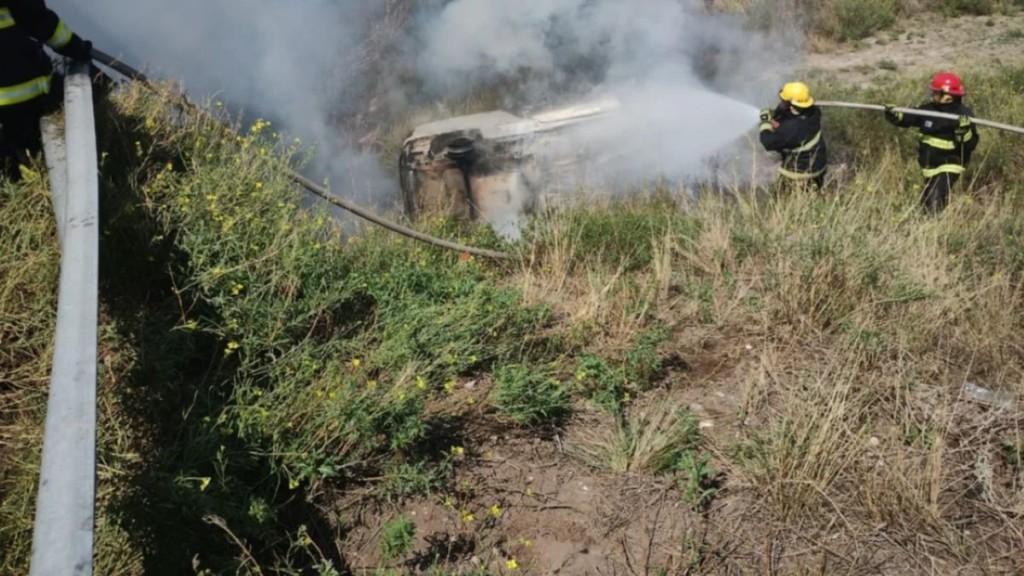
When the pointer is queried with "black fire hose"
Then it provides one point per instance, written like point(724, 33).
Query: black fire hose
point(918, 112)
point(126, 70)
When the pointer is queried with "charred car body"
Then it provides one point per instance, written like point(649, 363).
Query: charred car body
point(495, 166)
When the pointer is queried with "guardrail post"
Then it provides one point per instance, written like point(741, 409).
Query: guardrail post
point(62, 539)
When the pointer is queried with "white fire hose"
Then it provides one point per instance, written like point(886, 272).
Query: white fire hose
point(918, 112)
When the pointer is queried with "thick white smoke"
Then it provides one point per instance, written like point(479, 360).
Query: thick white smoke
point(690, 82)
point(272, 58)
point(295, 62)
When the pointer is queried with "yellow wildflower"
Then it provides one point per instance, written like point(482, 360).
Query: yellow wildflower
point(458, 450)
point(511, 564)
point(468, 517)
point(356, 362)
point(371, 384)
point(495, 511)
point(421, 383)
point(449, 386)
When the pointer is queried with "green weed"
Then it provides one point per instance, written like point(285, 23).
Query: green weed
point(396, 538)
point(530, 397)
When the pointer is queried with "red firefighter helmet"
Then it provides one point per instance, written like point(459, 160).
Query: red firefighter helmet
point(948, 83)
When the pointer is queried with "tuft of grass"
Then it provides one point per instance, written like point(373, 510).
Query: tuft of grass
point(652, 440)
point(396, 538)
point(886, 64)
point(530, 397)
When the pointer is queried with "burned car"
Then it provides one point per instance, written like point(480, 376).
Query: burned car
point(491, 166)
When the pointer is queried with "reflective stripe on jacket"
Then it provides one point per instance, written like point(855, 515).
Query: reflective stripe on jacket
point(25, 70)
point(799, 140)
point(938, 147)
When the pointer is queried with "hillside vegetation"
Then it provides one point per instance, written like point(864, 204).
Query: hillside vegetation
point(745, 384)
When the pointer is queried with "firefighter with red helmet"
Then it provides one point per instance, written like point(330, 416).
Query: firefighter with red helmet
point(28, 89)
point(793, 129)
point(944, 145)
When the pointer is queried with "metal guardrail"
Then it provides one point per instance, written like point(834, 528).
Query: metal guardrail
point(62, 539)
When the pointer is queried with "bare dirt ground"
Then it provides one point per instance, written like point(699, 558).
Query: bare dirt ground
point(925, 45)
point(524, 505)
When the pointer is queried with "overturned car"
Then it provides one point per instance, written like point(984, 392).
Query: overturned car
point(498, 167)
point(495, 166)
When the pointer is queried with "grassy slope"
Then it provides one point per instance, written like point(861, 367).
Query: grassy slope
point(256, 367)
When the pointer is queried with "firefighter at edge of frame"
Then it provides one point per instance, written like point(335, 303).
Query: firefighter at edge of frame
point(793, 129)
point(29, 87)
point(944, 145)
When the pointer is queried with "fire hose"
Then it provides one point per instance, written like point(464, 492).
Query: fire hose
point(315, 189)
point(919, 112)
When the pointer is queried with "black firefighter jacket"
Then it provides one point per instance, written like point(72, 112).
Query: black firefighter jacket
point(25, 70)
point(938, 148)
point(798, 138)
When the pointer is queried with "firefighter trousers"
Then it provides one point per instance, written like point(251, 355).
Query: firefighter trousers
point(935, 193)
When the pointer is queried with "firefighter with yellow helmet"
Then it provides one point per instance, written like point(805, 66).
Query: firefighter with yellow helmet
point(28, 89)
point(793, 129)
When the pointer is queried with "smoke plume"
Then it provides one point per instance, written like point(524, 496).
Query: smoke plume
point(689, 81)
point(275, 59)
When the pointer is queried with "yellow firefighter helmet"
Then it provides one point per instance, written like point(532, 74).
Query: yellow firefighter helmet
point(797, 94)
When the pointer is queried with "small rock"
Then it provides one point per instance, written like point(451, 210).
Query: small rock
point(874, 442)
point(706, 424)
point(749, 347)
point(696, 407)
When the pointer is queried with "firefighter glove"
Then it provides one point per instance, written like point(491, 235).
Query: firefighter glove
point(891, 115)
point(963, 126)
point(78, 50)
point(766, 115)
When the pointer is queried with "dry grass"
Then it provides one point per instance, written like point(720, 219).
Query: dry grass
point(647, 440)
point(865, 319)
point(29, 263)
